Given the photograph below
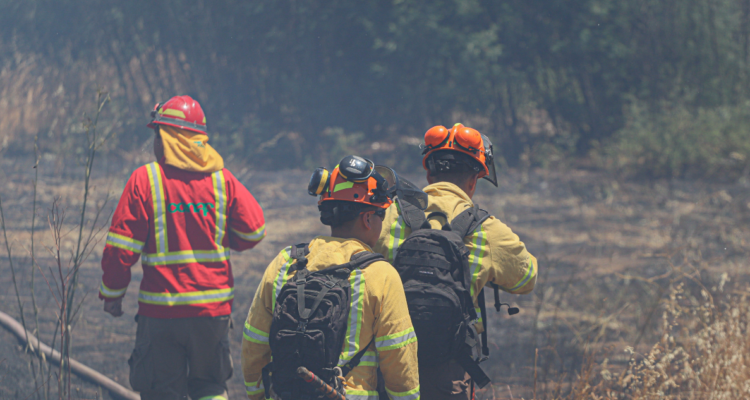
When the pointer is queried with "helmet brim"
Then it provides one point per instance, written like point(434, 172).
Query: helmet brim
point(154, 124)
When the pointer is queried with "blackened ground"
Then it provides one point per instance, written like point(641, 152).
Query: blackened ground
point(595, 237)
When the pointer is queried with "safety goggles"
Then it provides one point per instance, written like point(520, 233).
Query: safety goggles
point(465, 139)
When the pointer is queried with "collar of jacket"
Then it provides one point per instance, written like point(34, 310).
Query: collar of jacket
point(446, 189)
point(326, 251)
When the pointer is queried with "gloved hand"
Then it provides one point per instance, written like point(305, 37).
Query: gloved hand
point(114, 307)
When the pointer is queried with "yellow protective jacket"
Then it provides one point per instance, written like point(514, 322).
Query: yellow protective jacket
point(497, 254)
point(379, 301)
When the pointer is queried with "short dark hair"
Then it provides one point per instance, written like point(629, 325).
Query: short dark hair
point(336, 213)
point(453, 166)
point(459, 178)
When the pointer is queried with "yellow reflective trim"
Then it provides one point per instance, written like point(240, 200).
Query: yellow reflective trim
point(185, 257)
point(343, 185)
point(172, 112)
point(178, 299)
point(254, 236)
point(220, 194)
point(111, 293)
point(526, 278)
point(160, 207)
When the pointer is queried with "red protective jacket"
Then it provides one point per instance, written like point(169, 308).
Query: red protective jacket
point(184, 223)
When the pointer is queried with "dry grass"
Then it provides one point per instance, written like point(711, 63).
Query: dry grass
point(703, 353)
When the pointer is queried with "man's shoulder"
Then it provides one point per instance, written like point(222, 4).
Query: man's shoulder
point(494, 233)
point(140, 175)
point(228, 175)
point(143, 170)
point(284, 257)
point(381, 271)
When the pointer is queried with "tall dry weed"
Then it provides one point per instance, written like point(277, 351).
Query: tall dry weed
point(703, 353)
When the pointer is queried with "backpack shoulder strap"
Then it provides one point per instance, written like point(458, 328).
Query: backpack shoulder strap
point(413, 216)
point(469, 220)
point(299, 253)
point(365, 258)
point(358, 260)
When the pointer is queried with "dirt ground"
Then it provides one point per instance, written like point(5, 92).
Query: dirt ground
point(606, 247)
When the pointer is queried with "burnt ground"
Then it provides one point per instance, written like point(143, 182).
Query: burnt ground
point(607, 248)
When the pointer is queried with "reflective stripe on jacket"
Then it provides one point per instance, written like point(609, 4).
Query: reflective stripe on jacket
point(182, 225)
point(378, 310)
point(496, 253)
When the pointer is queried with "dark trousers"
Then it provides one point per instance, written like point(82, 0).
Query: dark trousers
point(444, 382)
point(174, 358)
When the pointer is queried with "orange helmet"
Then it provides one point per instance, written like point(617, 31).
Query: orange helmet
point(354, 180)
point(181, 112)
point(444, 148)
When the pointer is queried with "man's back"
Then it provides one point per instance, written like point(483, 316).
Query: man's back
point(378, 310)
point(496, 253)
point(184, 223)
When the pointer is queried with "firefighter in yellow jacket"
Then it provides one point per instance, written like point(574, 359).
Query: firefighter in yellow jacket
point(454, 160)
point(378, 330)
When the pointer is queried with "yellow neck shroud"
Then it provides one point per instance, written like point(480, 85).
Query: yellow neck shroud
point(189, 151)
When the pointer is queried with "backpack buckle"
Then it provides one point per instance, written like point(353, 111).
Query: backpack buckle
point(302, 326)
point(330, 284)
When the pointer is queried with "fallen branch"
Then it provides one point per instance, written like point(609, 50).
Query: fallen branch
point(53, 356)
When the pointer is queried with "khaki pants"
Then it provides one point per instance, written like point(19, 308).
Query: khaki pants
point(444, 382)
point(174, 358)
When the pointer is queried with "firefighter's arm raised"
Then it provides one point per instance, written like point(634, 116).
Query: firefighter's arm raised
point(256, 353)
point(125, 241)
point(246, 223)
point(511, 266)
point(395, 340)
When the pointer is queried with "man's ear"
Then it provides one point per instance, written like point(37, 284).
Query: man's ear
point(366, 220)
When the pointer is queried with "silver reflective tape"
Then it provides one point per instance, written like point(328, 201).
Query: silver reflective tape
point(181, 297)
point(255, 336)
point(354, 314)
point(127, 243)
point(189, 257)
point(159, 212)
point(394, 341)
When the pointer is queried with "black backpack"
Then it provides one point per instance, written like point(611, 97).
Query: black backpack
point(309, 327)
point(434, 267)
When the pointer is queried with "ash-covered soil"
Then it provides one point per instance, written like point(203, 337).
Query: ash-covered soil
point(607, 247)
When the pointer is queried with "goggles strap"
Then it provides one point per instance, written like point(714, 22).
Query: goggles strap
point(469, 148)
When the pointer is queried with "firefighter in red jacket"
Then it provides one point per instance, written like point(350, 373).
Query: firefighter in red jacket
point(180, 215)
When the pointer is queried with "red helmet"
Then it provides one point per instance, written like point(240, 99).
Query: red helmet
point(181, 112)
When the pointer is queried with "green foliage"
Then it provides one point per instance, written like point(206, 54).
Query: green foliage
point(274, 75)
point(679, 141)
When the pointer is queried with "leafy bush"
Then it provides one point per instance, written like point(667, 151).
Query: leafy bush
point(677, 141)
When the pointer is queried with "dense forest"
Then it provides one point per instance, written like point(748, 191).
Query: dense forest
point(657, 87)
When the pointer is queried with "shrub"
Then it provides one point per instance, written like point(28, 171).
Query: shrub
point(677, 141)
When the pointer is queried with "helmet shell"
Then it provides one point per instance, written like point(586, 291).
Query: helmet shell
point(473, 141)
point(180, 112)
point(340, 188)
